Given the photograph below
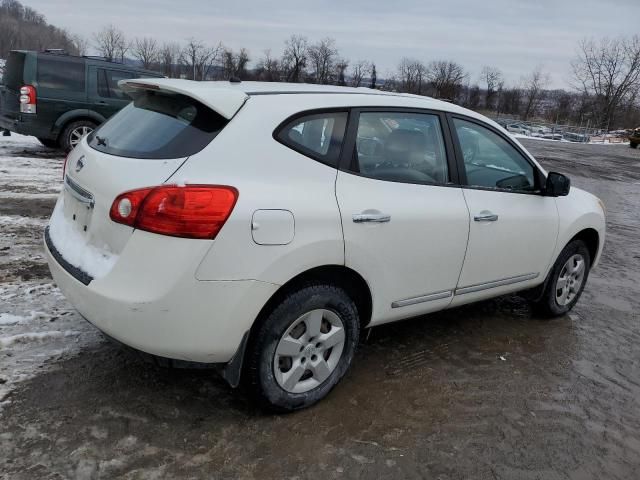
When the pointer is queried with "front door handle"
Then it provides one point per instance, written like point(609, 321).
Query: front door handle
point(486, 216)
point(371, 218)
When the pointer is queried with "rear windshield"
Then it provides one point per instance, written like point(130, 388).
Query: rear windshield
point(13, 71)
point(158, 125)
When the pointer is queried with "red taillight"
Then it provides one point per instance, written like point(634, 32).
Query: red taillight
point(192, 211)
point(28, 99)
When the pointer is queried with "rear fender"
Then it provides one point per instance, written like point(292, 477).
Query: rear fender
point(73, 115)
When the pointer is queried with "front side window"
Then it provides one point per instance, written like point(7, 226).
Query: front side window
point(158, 125)
point(61, 74)
point(492, 162)
point(318, 136)
point(400, 147)
point(108, 83)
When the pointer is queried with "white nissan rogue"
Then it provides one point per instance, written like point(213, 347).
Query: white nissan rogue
point(262, 226)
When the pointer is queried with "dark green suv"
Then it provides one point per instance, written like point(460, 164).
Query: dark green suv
point(60, 98)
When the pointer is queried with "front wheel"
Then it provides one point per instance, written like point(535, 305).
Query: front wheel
point(633, 145)
point(566, 281)
point(303, 348)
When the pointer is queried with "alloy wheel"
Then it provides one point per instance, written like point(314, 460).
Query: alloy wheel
point(570, 279)
point(309, 351)
point(77, 134)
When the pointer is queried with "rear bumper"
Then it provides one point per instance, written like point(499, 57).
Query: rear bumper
point(154, 304)
point(25, 125)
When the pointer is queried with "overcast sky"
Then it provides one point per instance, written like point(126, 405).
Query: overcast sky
point(514, 35)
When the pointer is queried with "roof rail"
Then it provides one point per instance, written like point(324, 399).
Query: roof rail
point(56, 51)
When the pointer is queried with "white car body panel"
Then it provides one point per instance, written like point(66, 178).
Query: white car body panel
point(196, 299)
point(515, 250)
point(417, 254)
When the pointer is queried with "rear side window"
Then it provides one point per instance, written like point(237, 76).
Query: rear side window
point(61, 74)
point(158, 125)
point(108, 83)
point(318, 136)
point(14, 71)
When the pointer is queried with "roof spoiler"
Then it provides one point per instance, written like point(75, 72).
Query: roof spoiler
point(224, 101)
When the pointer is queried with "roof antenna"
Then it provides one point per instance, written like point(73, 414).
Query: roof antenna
point(234, 80)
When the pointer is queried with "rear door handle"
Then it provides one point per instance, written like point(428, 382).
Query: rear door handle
point(101, 102)
point(486, 216)
point(371, 218)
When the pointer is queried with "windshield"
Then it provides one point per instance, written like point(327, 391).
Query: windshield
point(158, 125)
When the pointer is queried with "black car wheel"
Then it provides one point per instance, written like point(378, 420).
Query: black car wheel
point(302, 348)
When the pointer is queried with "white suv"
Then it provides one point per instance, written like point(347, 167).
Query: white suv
point(263, 226)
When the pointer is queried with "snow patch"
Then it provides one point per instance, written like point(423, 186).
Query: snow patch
point(35, 337)
point(74, 248)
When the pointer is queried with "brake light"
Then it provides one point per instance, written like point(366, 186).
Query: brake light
point(28, 99)
point(192, 211)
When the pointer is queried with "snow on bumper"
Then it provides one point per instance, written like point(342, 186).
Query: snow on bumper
point(153, 302)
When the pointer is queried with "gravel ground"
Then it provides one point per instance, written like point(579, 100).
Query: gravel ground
point(483, 391)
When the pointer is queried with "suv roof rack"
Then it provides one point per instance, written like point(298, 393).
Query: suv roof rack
point(56, 51)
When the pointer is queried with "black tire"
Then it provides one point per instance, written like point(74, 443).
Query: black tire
point(548, 304)
point(68, 134)
point(633, 145)
point(47, 142)
point(259, 374)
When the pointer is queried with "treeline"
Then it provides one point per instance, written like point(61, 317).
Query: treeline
point(23, 28)
point(604, 92)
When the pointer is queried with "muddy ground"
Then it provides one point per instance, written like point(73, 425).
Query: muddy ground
point(484, 391)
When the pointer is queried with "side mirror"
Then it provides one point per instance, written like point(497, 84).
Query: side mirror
point(557, 185)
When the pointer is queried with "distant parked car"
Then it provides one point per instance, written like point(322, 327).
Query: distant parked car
point(264, 226)
point(60, 98)
point(634, 138)
point(518, 128)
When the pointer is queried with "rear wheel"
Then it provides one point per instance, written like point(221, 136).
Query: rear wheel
point(633, 145)
point(47, 142)
point(73, 133)
point(303, 348)
point(566, 281)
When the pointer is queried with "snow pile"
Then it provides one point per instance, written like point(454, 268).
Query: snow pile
point(74, 248)
point(2, 62)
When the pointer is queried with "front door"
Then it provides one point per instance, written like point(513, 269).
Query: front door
point(513, 228)
point(405, 224)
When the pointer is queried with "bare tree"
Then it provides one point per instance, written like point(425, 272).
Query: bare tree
point(169, 56)
point(341, 68)
point(234, 64)
point(81, 44)
point(146, 50)
point(111, 43)
point(322, 56)
point(608, 72)
point(446, 78)
point(359, 71)
point(411, 74)
point(532, 91)
point(294, 58)
point(198, 58)
point(268, 68)
point(492, 77)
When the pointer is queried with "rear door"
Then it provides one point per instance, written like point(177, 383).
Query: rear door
point(12, 80)
point(513, 228)
point(405, 222)
point(105, 96)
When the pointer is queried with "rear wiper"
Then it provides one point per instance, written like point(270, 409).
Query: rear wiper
point(101, 140)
